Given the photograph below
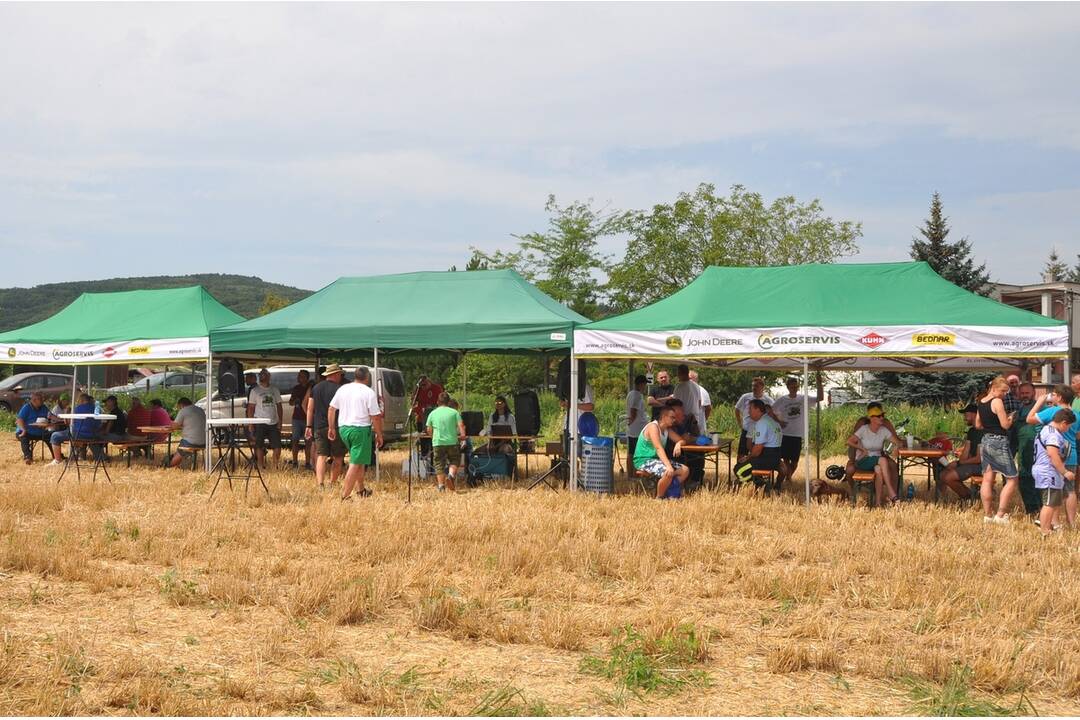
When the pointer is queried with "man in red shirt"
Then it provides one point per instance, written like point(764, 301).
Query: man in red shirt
point(425, 399)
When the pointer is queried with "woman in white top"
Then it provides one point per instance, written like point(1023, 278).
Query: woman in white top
point(869, 443)
point(501, 416)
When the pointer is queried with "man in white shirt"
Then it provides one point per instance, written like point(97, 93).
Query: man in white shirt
point(264, 401)
point(788, 411)
point(353, 413)
point(690, 393)
point(636, 418)
point(742, 414)
point(706, 400)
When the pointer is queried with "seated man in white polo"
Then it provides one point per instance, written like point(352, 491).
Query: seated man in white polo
point(355, 415)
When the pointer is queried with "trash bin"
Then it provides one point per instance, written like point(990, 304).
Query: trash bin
point(597, 457)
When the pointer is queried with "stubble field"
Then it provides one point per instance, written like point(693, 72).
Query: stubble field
point(143, 597)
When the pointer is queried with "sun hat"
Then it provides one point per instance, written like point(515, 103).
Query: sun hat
point(331, 369)
point(875, 412)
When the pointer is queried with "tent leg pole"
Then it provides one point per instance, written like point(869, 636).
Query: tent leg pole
point(571, 420)
point(464, 380)
point(209, 405)
point(817, 419)
point(378, 394)
point(806, 425)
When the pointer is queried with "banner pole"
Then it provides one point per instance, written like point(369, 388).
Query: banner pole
point(806, 425)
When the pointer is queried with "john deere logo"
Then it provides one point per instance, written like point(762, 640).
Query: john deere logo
point(933, 339)
point(11, 352)
point(139, 350)
point(674, 342)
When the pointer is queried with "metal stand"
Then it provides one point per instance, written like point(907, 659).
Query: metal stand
point(227, 442)
point(73, 458)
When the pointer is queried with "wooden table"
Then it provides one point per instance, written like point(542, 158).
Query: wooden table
point(166, 430)
point(928, 457)
point(724, 446)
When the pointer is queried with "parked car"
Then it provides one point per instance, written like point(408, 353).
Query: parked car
point(840, 396)
point(394, 402)
point(171, 380)
point(15, 390)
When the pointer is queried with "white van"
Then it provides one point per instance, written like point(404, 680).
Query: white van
point(391, 389)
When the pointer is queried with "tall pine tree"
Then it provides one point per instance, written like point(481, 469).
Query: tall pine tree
point(951, 261)
point(1055, 270)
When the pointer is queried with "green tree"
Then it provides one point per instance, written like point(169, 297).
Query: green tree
point(565, 261)
point(671, 244)
point(1074, 275)
point(271, 303)
point(951, 261)
point(927, 388)
point(1055, 270)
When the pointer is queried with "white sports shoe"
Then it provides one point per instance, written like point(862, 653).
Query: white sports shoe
point(1001, 519)
point(54, 463)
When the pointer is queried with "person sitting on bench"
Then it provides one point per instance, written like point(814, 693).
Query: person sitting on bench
point(27, 429)
point(969, 462)
point(191, 422)
point(502, 416)
point(685, 430)
point(764, 438)
point(869, 443)
point(83, 430)
point(651, 458)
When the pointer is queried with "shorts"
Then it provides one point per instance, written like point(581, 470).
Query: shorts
point(1070, 485)
point(997, 456)
point(656, 467)
point(868, 463)
point(791, 448)
point(968, 470)
point(357, 441)
point(185, 444)
point(446, 456)
point(298, 428)
point(268, 432)
point(1051, 497)
point(325, 447)
point(769, 459)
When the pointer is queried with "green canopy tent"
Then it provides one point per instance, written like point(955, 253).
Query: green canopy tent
point(119, 328)
point(495, 310)
point(885, 316)
point(170, 325)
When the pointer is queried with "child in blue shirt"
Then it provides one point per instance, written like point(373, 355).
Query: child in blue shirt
point(1039, 415)
point(1049, 470)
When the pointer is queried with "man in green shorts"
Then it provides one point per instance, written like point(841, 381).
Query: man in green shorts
point(447, 431)
point(354, 413)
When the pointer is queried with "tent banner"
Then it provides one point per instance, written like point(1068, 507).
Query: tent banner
point(895, 340)
point(127, 352)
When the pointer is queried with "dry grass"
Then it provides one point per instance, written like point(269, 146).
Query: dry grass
point(143, 597)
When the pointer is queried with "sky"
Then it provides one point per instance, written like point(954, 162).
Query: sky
point(303, 142)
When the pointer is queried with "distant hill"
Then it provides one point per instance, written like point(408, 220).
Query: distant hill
point(240, 293)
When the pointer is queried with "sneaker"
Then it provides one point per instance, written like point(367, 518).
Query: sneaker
point(1038, 522)
point(364, 493)
point(1001, 519)
point(54, 463)
point(28, 461)
point(441, 488)
point(988, 519)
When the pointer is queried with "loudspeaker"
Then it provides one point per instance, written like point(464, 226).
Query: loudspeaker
point(474, 422)
point(563, 387)
point(230, 378)
point(527, 412)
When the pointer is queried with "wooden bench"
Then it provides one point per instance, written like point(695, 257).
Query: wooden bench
point(767, 478)
point(859, 480)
